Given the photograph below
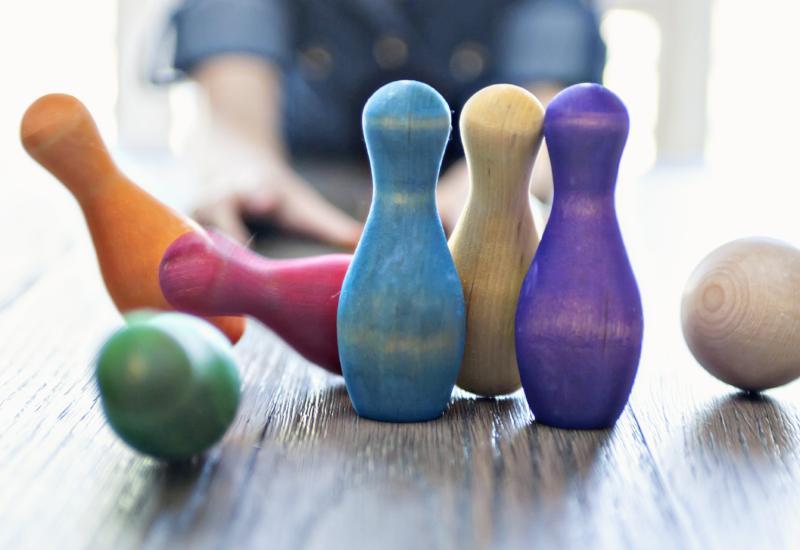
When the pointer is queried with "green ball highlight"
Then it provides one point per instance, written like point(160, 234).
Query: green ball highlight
point(169, 385)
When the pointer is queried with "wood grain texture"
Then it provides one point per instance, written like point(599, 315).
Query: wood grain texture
point(298, 469)
point(741, 313)
point(495, 239)
point(690, 464)
point(400, 323)
point(579, 321)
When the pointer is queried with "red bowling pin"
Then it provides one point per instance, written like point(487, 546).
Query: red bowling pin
point(212, 275)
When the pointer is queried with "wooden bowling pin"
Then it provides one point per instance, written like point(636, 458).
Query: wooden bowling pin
point(579, 319)
point(169, 384)
point(401, 319)
point(741, 313)
point(212, 275)
point(495, 239)
point(130, 229)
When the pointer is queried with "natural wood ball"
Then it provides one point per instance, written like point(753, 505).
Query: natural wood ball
point(741, 313)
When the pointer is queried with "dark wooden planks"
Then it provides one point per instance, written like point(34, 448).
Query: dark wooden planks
point(730, 462)
point(691, 464)
point(298, 468)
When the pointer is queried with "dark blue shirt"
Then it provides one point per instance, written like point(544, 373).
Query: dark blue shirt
point(335, 53)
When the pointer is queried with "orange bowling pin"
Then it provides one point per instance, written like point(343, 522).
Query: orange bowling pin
point(130, 229)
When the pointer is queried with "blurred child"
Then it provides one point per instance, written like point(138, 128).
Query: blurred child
point(288, 78)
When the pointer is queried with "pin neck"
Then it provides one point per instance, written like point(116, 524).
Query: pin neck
point(508, 195)
point(87, 190)
point(584, 185)
point(576, 205)
point(394, 201)
point(588, 172)
point(585, 152)
point(409, 178)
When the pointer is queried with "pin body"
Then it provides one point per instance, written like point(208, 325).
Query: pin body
point(741, 313)
point(495, 238)
point(212, 275)
point(579, 318)
point(401, 317)
point(130, 229)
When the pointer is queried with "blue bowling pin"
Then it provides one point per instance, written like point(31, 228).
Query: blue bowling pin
point(579, 316)
point(401, 320)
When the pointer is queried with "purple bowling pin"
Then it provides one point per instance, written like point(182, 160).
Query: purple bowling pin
point(579, 317)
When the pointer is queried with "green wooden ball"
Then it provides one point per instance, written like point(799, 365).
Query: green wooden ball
point(169, 384)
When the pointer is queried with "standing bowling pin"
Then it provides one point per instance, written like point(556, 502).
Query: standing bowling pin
point(495, 238)
point(130, 229)
point(579, 319)
point(741, 313)
point(212, 275)
point(401, 318)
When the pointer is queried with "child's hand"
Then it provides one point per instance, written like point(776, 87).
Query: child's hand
point(287, 200)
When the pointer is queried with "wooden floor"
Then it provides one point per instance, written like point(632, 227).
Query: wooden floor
point(691, 463)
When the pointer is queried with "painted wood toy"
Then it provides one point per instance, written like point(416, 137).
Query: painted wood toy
point(168, 384)
point(579, 319)
point(401, 318)
point(212, 275)
point(130, 229)
point(495, 239)
point(741, 313)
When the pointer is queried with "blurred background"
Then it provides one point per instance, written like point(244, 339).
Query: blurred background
point(711, 87)
point(710, 82)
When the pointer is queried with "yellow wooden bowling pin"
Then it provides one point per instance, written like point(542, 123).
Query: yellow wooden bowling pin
point(495, 239)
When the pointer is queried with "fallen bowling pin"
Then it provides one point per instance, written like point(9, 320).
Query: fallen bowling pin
point(169, 384)
point(740, 313)
point(207, 274)
point(130, 229)
point(579, 319)
point(401, 318)
point(495, 238)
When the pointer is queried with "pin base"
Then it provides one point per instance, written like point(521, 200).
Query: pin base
point(404, 417)
point(573, 422)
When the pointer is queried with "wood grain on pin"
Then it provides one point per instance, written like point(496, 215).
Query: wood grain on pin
point(130, 229)
point(401, 318)
point(741, 313)
point(579, 319)
point(212, 275)
point(495, 238)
